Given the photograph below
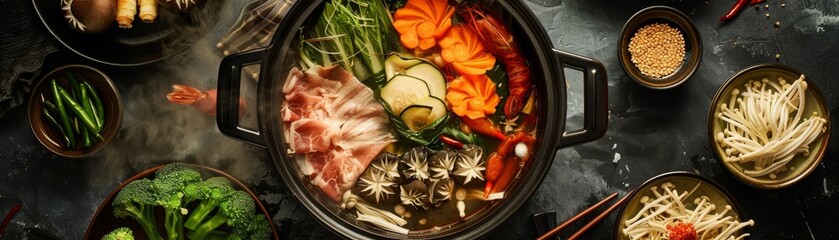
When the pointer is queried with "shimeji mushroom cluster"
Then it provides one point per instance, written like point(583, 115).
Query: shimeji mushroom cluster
point(667, 211)
point(766, 124)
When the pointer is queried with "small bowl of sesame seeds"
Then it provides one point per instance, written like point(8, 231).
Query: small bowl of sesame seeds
point(659, 47)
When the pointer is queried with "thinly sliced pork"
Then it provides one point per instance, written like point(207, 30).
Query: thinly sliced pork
point(333, 120)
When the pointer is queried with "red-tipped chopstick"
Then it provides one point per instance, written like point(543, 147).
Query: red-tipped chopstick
point(594, 221)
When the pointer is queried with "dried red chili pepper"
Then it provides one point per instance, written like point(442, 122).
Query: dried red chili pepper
point(735, 10)
point(753, 2)
point(454, 143)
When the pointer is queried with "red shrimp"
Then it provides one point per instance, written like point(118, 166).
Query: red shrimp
point(203, 101)
point(499, 41)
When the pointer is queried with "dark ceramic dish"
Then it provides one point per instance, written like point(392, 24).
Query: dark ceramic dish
point(50, 137)
point(800, 166)
point(684, 181)
point(673, 18)
point(104, 221)
point(171, 33)
point(548, 77)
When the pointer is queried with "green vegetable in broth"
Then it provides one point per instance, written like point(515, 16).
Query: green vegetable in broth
point(355, 34)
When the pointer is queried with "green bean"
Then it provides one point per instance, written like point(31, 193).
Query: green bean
point(85, 138)
point(74, 85)
point(56, 125)
point(85, 104)
point(100, 109)
point(93, 113)
point(62, 113)
point(78, 111)
point(50, 106)
point(86, 107)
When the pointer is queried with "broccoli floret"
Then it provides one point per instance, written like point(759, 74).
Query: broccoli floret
point(137, 200)
point(236, 211)
point(256, 229)
point(170, 182)
point(210, 193)
point(122, 233)
point(175, 186)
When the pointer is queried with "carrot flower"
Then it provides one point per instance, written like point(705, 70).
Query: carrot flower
point(472, 96)
point(421, 22)
point(465, 52)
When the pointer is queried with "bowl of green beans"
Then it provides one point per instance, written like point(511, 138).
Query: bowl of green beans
point(75, 110)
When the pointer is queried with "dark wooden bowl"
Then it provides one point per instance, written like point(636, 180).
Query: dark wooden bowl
point(674, 18)
point(49, 136)
point(103, 221)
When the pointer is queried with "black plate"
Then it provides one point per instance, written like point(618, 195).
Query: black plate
point(171, 33)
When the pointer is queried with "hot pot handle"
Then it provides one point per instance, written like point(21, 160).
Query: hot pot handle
point(229, 81)
point(596, 100)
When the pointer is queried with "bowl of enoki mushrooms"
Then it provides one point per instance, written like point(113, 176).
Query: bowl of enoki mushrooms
point(769, 125)
point(681, 205)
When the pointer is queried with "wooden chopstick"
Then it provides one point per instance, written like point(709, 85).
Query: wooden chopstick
point(573, 219)
point(598, 218)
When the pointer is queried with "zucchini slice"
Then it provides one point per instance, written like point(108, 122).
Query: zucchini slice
point(438, 106)
point(432, 76)
point(396, 63)
point(402, 91)
point(424, 112)
point(417, 117)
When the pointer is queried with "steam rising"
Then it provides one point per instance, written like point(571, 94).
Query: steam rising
point(156, 132)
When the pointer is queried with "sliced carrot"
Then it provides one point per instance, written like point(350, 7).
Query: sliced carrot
point(465, 52)
point(409, 39)
point(472, 96)
point(511, 167)
point(421, 22)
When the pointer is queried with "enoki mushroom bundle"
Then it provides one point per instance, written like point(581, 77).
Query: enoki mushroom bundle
point(667, 216)
point(765, 125)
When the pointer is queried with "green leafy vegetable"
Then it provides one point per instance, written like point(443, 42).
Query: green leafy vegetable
point(498, 75)
point(357, 34)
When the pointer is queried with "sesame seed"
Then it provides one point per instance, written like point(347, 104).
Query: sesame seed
point(657, 50)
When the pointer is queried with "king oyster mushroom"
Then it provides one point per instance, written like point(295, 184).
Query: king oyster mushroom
point(441, 190)
point(470, 166)
point(376, 187)
point(388, 163)
point(442, 163)
point(415, 194)
point(415, 164)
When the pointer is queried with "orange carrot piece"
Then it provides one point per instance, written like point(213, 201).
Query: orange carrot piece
point(472, 96)
point(495, 165)
point(465, 52)
point(421, 22)
point(511, 167)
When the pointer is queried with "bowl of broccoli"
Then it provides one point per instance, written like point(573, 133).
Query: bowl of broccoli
point(181, 201)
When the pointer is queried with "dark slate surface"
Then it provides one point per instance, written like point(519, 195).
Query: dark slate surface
point(650, 132)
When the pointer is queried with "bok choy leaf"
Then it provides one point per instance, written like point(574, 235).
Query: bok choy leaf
point(357, 34)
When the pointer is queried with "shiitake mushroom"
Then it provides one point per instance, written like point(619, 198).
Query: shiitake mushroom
point(440, 190)
point(470, 166)
point(89, 16)
point(374, 186)
point(415, 194)
point(415, 164)
point(441, 164)
point(388, 163)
